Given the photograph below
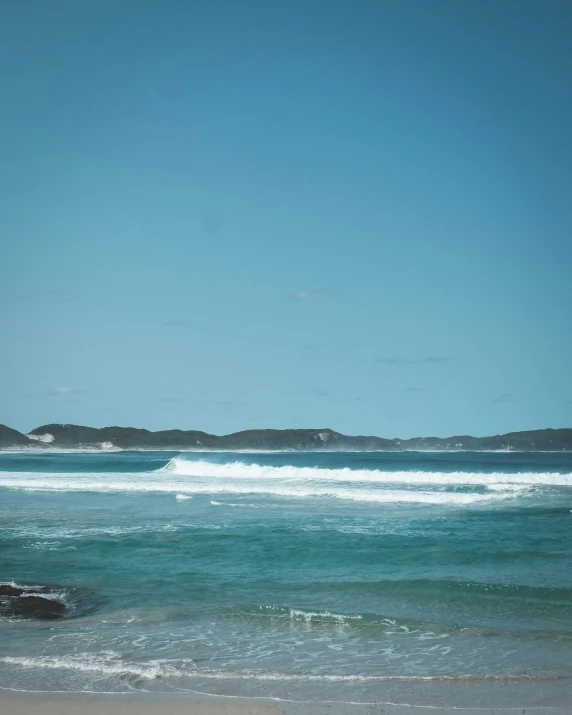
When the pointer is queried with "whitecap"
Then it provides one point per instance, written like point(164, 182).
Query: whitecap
point(242, 470)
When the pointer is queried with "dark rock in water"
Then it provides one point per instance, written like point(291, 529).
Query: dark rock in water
point(7, 590)
point(37, 607)
point(46, 601)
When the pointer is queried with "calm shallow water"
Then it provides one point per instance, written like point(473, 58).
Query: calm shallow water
point(343, 576)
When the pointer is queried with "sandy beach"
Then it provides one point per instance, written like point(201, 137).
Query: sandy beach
point(78, 704)
point(48, 704)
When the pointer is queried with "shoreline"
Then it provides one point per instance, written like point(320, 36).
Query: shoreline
point(13, 702)
point(335, 606)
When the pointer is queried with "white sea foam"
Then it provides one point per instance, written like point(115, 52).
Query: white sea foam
point(276, 488)
point(308, 616)
point(109, 663)
point(56, 594)
point(44, 546)
point(504, 487)
point(243, 505)
point(241, 470)
point(105, 662)
point(59, 532)
point(185, 478)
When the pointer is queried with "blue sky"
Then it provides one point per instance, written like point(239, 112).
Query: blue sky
point(227, 215)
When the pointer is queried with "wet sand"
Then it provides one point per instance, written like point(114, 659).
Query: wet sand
point(75, 704)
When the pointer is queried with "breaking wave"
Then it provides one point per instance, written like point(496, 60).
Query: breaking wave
point(276, 489)
point(106, 662)
point(241, 470)
point(109, 663)
point(184, 478)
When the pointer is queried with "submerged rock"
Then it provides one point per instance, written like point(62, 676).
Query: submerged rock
point(46, 601)
point(9, 591)
point(32, 601)
point(36, 607)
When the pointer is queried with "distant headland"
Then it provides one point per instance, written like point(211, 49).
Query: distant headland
point(62, 436)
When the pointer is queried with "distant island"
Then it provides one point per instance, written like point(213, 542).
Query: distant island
point(108, 438)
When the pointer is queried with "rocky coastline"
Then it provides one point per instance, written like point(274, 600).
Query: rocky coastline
point(66, 436)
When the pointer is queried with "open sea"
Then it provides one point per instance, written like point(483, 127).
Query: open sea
point(426, 578)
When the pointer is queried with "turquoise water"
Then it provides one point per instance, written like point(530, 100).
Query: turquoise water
point(342, 576)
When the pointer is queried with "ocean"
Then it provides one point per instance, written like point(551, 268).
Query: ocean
point(427, 578)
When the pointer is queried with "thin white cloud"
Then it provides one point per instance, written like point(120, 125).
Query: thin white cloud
point(54, 391)
point(62, 391)
point(311, 391)
point(314, 293)
point(431, 360)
